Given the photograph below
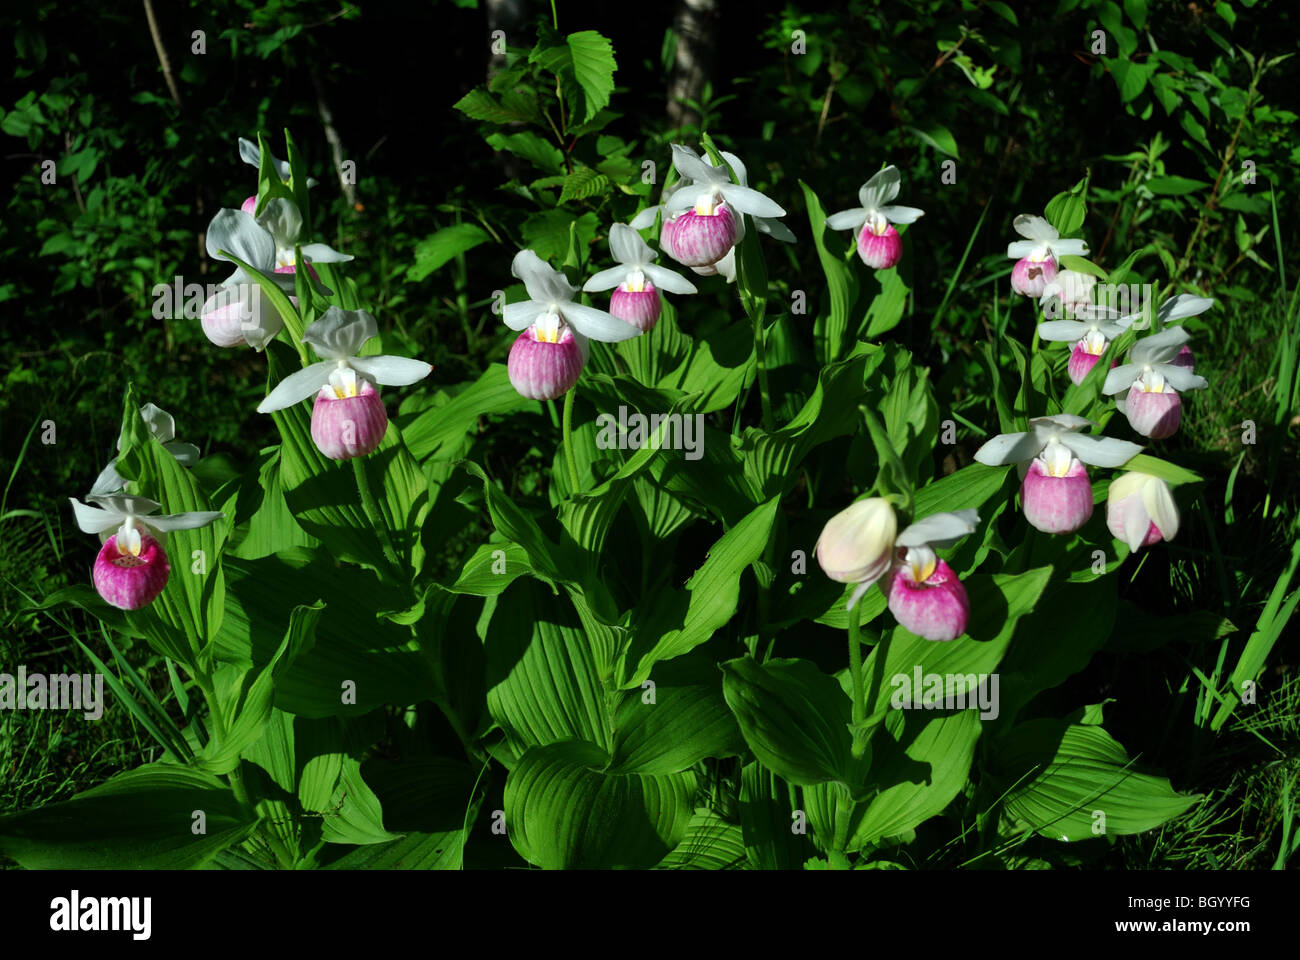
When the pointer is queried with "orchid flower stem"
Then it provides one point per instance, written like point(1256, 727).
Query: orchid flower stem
point(568, 442)
point(855, 670)
point(371, 507)
point(760, 352)
point(219, 734)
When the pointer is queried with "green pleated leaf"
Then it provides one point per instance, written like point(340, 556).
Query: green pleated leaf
point(1067, 210)
point(678, 720)
point(356, 814)
point(919, 767)
point(144, 819)
point(563, 811)
point(774, 826)
point(443, 431)
point(248, 713)
point(1061, 776)
point(841, 284)
point(796, 719)
point(543, 683)
point(677, 621)
point(357, 663)
point(711, 843)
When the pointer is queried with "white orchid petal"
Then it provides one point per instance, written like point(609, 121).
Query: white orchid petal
point(391, 371)
point(1008, 448)
point(607, 279)
point(775, 229)
point(520, 316)
point(1035, 228)
point(1019, 249)
point(108, 481)
point(249, 152)
point(597, 324)
point(1063, 421)
point(669, 280)
point(900, 214)
point(323, 253)
point(160, 423)
point(693, 167)
point(240, 235)
point(1135, 520)
point(685, 198)
point(940, 529)
point(626, 245)
point(340, 334)
point(1121, 378)
point(283, 221)
point(298, 386)
point(880, 189)
point(94, 519)
point(1069, 247)
point(184, 521)
point(1180, 378)
point(849, 219)
point(186, 454)
point(748, 200)
point(737, 167)
point(1099, 451)
point(646, 217)
point(1182, 306)
point(1160, 506)
point(1161, 347)
point(1060, 331)
point(544, 283)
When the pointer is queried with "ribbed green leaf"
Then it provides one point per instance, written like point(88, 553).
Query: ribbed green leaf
point(1060, 775)
point(711, 843)
point(563, 812)
point(143, 820)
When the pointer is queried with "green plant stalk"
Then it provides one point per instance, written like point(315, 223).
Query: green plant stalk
point(855, 671)
point(760, 354)
point(371, 508)
point(569, 459)
point(219, 734)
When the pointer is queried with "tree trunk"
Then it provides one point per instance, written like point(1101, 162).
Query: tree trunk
point(694, 25)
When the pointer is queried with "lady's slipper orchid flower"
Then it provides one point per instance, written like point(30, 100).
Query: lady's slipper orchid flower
point(163, 428)
point(1140, 510)
point(1148, 384)
point(636, 296)
point(703, 215)
point(1091, 330)
point(131, 568)
point(283, 221)
point(1055, 490)
point(348, 418)
point(1037, 255)
point(925, 595)
point(879, 244)
point(548, 356)
point(857, 544)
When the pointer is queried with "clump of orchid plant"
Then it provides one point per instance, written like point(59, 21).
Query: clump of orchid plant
point(348, 418)
point(636, 297)
point(1090, 326)
point(879, 244)
point(548, 356)
point(1038, 254)
point(131, 568)
point(1055, 491)
point(1140, 510)
point(703, 216)
point(1146, 387)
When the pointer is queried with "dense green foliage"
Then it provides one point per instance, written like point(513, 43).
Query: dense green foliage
point(500, 608)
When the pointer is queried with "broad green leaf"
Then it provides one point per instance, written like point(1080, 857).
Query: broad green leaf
point(1060, 776)
point(449, 242)
point(1067, 210)
point(841, 283)
point(143, 820)
point(681, 620)
point(563, 811)
point(442, 431)
point(711, 843)
point(772, 821)
point(1173, 186)
point(593, 68)
point(796, 720)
